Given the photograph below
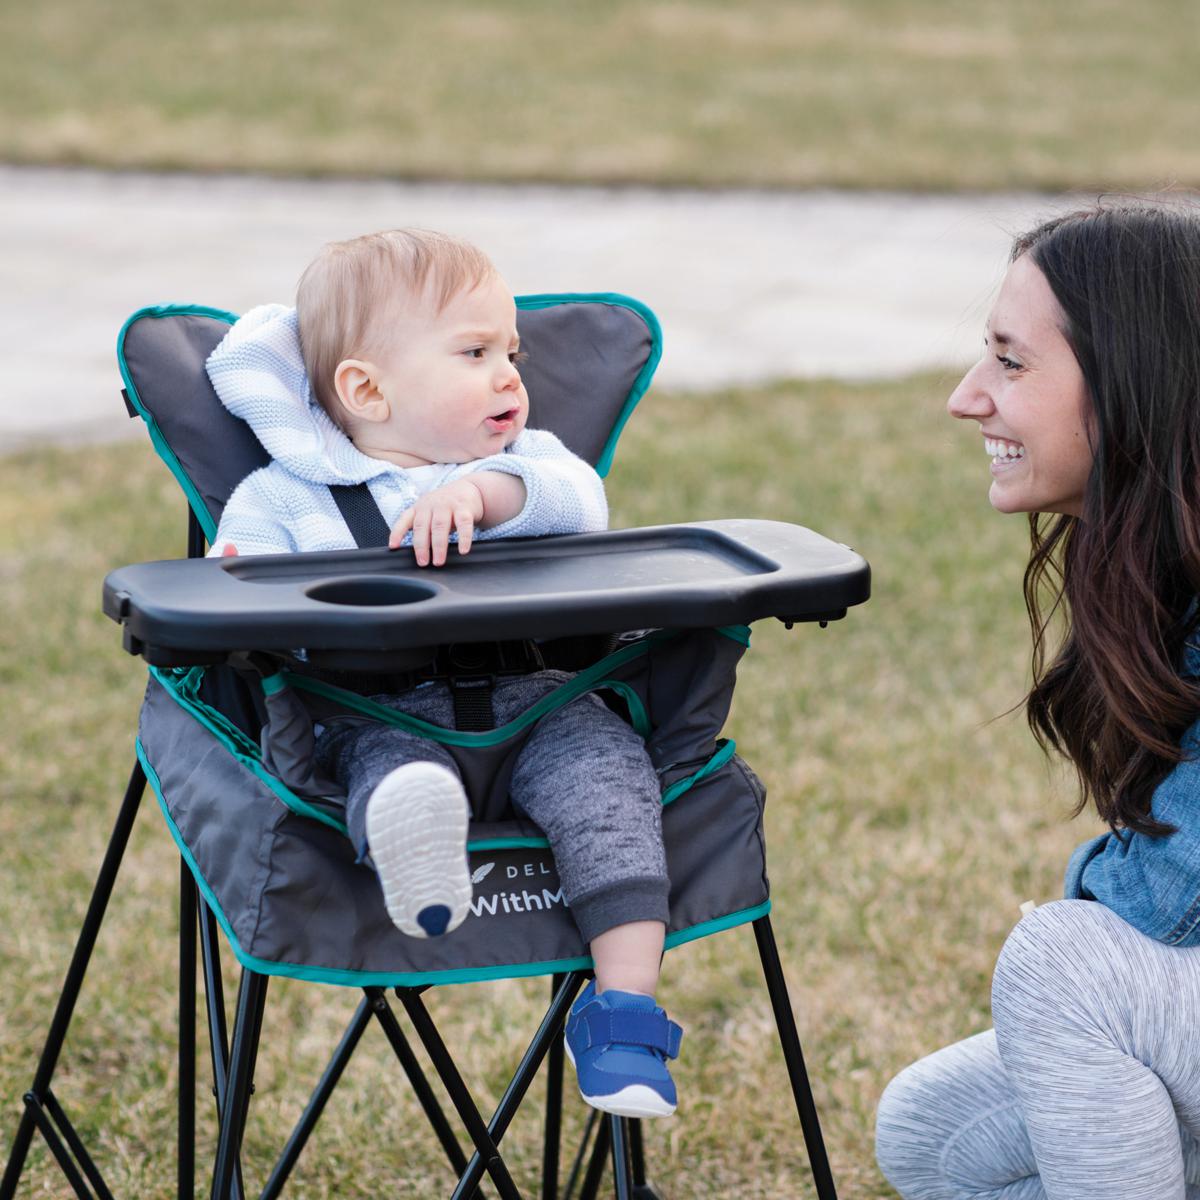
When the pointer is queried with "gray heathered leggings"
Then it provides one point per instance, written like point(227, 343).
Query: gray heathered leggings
point(1088, 1088)
point(583, 777)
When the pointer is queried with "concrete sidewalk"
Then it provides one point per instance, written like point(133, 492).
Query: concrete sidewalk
point(749, 286)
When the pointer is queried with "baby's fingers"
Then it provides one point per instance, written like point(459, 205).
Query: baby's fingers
point(464, 522)
point(401, 527)
point(421, 534)
point(439, 534)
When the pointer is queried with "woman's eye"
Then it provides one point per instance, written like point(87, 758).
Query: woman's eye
point(1009, 364)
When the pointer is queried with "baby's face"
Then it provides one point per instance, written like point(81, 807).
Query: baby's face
point(450, 379)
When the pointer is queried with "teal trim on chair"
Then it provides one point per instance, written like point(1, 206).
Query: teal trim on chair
point(736, 633)
point(717, 925)
point(638, 717)
point(584, 681)
point(160, 443)
point(244, 751)
point(726, 749)
point(272, 685)
point(529, 842)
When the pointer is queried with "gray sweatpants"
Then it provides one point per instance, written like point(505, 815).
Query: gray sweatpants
point(1088, 1088)
point(583, 777)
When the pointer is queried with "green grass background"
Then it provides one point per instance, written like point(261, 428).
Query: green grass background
point(859, 93)
point(905, 824)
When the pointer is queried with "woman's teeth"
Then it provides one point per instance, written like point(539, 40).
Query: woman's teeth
point(1003, 450)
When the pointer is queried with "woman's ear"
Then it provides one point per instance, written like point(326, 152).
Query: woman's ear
point(357, 387)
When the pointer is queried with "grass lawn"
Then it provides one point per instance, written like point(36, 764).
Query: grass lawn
point(858, 93)
point(905, 826)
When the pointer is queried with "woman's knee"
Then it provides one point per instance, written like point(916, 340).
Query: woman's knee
point(925, 1111)
point(1059, 962)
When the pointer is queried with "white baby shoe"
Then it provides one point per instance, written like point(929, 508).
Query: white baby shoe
point(417, 819)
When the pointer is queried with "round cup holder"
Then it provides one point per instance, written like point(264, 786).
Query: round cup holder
point(370, 591)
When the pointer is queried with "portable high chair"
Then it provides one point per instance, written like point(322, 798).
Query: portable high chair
point(226, 729)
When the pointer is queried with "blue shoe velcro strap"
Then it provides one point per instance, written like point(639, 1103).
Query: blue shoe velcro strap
point(654, 1030)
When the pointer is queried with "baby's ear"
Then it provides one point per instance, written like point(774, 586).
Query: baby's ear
point(357, 390)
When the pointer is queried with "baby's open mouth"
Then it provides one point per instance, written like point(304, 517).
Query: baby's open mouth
point(502, 421)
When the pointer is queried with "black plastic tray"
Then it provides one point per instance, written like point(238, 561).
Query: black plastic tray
point(698, 575)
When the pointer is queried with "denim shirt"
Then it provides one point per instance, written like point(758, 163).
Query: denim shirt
point(1152, 882)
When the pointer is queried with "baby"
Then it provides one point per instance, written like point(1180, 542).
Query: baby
point(398, 368)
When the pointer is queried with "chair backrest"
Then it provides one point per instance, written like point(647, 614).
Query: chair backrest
point(591, 358)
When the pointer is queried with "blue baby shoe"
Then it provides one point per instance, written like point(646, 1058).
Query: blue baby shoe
point(618, 1043)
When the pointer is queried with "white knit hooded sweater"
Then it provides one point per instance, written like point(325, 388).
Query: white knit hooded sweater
point(258, 373)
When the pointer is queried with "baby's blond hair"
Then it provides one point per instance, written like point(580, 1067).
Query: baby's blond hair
point(347, 295)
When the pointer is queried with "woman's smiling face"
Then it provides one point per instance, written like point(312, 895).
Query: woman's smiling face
point(1029, 397)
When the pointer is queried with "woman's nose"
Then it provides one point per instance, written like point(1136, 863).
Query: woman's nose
point(971, 399)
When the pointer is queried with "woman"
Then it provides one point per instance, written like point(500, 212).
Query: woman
point(1088, 401)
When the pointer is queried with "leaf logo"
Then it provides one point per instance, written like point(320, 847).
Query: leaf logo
point(481, 873)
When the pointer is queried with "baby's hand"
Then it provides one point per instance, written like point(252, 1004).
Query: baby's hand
point(456, 507)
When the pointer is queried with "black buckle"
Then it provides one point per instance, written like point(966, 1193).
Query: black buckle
point(471, 669)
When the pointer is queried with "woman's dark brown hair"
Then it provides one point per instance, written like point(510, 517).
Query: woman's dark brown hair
point(1126, 574)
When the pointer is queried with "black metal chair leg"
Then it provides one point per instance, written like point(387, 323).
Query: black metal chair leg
point(61, 1154)
point(214, 994)
point(552, 1139)
point(622, 1168)
point(597, 1163)
point(548, 1033)
point(186, 1158)
point(589, 1128)
point(252, 997)
point(637, 1157)
point(416, 1077)
point(318, 1100)
point(459, 1094)
point(789, 1038)
point(214, 1003)
point(74, 981)
point(75, 1144)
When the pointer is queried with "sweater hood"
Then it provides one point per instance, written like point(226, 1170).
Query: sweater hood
point(259, 376)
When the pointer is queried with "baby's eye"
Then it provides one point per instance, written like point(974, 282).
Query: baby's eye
point(475, 352)
point(516, 357)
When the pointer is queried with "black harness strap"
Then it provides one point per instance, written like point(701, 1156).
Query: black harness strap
point(361, 514)
point(473, 704)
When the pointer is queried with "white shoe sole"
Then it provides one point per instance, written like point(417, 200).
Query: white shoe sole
point(636, 1100)
point(417, 820)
